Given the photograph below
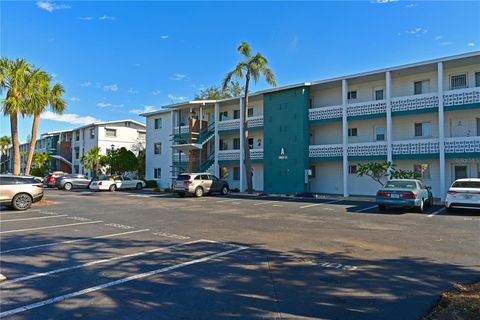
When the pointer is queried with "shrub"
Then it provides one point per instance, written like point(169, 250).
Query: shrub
point(167, 190)
point(234, 190)
point(156, 190)
point(151, 184)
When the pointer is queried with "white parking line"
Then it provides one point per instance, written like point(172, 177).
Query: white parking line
point(320, 204)
point(12, 212)
point(117, 282)
point(36, 218)
point(262, 203)
point(50, 227)
point(228, 200)
point(140, 195)
point(91, 263)
point(365, 209)
point(436, 212)
point(73, 241)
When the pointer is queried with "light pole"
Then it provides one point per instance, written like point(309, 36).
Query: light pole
point(111, 158)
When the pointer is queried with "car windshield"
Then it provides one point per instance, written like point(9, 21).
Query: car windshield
point(400, 184)
point(183, 177)
point(466, 184)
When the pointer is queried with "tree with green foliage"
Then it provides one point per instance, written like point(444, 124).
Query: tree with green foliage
point(41, 95)
point(122, 161)
point(93, 160)
point(234, 89)
point(141, 157)
point(380, 172)
point(41, 164)
point(251, 67)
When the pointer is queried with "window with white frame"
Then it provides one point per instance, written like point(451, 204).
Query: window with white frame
point(477, 79)
point(223, 115)
point(423, 129)
point(236, 144)
point(423, 169)
point(250, 112)
point(236, 114)
point(352, 169)
point(379, 94)
point(157, 148)
point(111, 133)
point(458, 81)
point(157, 173)
point(158, 123)
point(92, 133)
point(352, 132)
point(236, 173)
point(420, 87)
point(380, 134)
point(352, 95)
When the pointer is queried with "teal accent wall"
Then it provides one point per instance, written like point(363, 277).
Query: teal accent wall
point(415, 156)
point(368, 116)
point(463, 155)
point(410, 112)
point(322, 121)
point(285, 125)
point(367, 158)
point(463, 107)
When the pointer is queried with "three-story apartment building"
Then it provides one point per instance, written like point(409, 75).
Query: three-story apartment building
point(312, 136)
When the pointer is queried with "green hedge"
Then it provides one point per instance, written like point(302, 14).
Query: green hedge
point(151, 183)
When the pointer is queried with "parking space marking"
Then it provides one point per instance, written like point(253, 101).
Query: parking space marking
point(170, 235)
point(262, 203)
point(365, 209)
point(73, 241)
point(140, 195)
point(228, 200)
point(35, 218)
point(119, 226)
point(12, 212)
point(436, 212)
point(51, 227)
point(117, 282)
point(95, 262)
point(319, 204)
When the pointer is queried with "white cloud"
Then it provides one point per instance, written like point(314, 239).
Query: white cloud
point(144, 110)
point(471, 44)
point(178, 76)
point(108, 105)
point(112, 87)
point(104, 17)
point(86, 18)
point(71, 118)
point(415, 31)
point(446, 43)
point(156, 92)
point(438, 38)
point(133, 91)
point(164, 37)
point(411, 5)
point(86, 84)
point(74, 99)
point(50, 6)
point(176, 98)
point(384, 1)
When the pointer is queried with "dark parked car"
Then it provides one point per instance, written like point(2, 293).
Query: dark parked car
point(72, 181)
point(49, 180)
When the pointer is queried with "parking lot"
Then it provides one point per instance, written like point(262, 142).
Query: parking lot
point(145, 255)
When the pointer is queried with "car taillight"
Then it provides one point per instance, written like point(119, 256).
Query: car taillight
point(408, 195)
point(187, 182)
point(452, 192)
point(382, 194)
point(51, 179)
point(100, 183)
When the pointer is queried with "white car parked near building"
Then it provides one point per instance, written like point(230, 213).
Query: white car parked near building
point(464, 194)
point(113, 183)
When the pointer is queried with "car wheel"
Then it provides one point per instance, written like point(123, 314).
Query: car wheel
point(199, 192)
point(421, 207)
point(68, 186)
point(181, 194)
point(382, 208)
point(113, 187)
point(22, 202)
point(139, 186)
point(224, 190)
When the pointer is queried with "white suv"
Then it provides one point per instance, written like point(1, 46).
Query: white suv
point(464, 194)
point(199, 184)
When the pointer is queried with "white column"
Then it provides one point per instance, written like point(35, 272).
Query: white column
point(345, 136)
point(441, 131)
point(242, 143)
point(388, 94)
point(216, 138)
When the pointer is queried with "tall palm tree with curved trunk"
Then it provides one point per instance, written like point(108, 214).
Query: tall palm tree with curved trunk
point(92, 159)
point(14, 79)
point(41, 95)
point(251, 67)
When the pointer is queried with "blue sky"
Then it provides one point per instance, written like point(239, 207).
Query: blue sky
point(116, 59)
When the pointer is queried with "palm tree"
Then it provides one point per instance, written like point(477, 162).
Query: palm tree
point(5, 143)
point(14, 79)
point(252, 67)
point(91, 159)
point(41, 95)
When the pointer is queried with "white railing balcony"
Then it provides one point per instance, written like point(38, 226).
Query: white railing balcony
point(324, 113)
point(415, 147)
point(325, 151)
point(461, 97)
point(415, 102)
point(183, 129)
point(367, 149)
point(256, 154)
point(253, 122)
point(228, 155)
point(366, 108)
point(462, 145)
point(176, 157)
